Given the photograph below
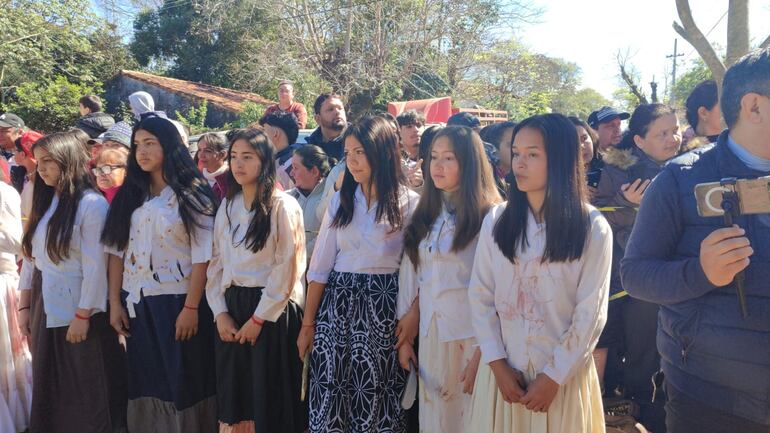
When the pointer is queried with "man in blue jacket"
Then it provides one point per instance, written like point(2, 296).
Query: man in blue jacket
point(716, 364)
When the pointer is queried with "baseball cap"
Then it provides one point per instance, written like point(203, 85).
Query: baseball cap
point(463, 119)
point(26, 141)
point(10, 120)
point(605, 114)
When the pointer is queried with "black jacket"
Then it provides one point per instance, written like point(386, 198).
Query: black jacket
point(333, 148)
point(94, 124)
point(708, 351)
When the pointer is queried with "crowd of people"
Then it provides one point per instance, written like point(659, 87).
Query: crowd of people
point(546, 276)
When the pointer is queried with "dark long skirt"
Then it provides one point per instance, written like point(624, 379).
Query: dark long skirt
point(355, 379)
point(261, 383)
point(77, 387)
point(172, 385)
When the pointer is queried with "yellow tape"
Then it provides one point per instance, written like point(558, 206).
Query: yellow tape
point(618, 295)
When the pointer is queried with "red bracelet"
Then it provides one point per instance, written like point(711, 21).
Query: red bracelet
point(312, 325)
point(256, 321)
point(78, 316)
point(191, 308)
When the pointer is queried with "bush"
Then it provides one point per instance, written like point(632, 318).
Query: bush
point(49, 105)
point(195, 118)
point(250, 114)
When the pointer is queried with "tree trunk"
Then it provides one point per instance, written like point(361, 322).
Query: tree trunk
point(737, 31)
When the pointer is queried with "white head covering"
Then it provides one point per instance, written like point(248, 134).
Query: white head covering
point(141, 102)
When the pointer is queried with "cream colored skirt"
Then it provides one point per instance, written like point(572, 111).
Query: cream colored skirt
point(577, 407)
point(443, 405)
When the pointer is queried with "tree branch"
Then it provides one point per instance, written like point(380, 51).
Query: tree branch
point(632, 86)
point(23, 37)
point(692, 34)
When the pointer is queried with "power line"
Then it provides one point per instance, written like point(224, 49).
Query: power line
point(708, 33)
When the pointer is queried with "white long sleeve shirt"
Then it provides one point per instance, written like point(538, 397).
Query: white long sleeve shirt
point(79, 281)
point(365, 245)
point(10, 229)
point(278, 267)
point(160, 254)
point(548, 314)
point(441, 282)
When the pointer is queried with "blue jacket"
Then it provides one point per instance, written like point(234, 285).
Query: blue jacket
point(707, 350)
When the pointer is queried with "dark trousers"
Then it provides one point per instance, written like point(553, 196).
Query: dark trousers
point(685, 415)
point(643, 363)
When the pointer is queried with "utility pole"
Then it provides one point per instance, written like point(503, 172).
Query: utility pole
point(673, 69)
point(654, 87)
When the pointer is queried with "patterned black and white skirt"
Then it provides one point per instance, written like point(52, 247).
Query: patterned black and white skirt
point(355, 379)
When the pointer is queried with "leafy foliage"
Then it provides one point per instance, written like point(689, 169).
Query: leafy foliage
point(51, 53)
point(195, 119)
point(697, 73)
point(49, 105)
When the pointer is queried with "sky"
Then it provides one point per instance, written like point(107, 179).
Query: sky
point(590, 33)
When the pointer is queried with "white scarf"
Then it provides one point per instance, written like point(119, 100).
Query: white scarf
point(212, 177)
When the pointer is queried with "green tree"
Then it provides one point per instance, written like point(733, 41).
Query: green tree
point(580, 103)
point(49, 105)
point(685, 83)
point(54, 48)
point(195, 119)
point(201, 40)
point(509, 77)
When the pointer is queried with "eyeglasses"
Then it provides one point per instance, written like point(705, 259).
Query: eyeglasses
point(106, 169)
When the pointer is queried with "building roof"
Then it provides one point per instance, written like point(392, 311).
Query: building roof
point(226, 99)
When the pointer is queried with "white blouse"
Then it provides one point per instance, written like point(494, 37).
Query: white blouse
point(159, 256)
point(441, 281)
point(278, 267)
point(312, 213)
point(365, 245)
point(10, 229)
point(79, 281)
point(547, 314)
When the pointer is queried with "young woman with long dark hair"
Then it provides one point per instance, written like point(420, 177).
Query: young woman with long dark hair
point(255, 291)
point(78, 365)
point(538, 293)
point(158, 235)
point(355, 379)
point(439, 245)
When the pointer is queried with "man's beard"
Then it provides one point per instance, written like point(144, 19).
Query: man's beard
point(336, 127)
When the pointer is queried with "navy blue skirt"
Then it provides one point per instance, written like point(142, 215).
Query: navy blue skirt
point(169, 380)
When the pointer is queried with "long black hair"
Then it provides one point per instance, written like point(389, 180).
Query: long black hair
point(262, 206)
point(477, 193)
point(564, 210)
point(380, 143)
point(70, 153)
point(180, 173)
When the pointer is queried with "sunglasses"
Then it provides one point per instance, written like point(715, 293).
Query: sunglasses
point(106, 169)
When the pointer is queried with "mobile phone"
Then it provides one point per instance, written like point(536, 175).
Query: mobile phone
point(753, 196)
